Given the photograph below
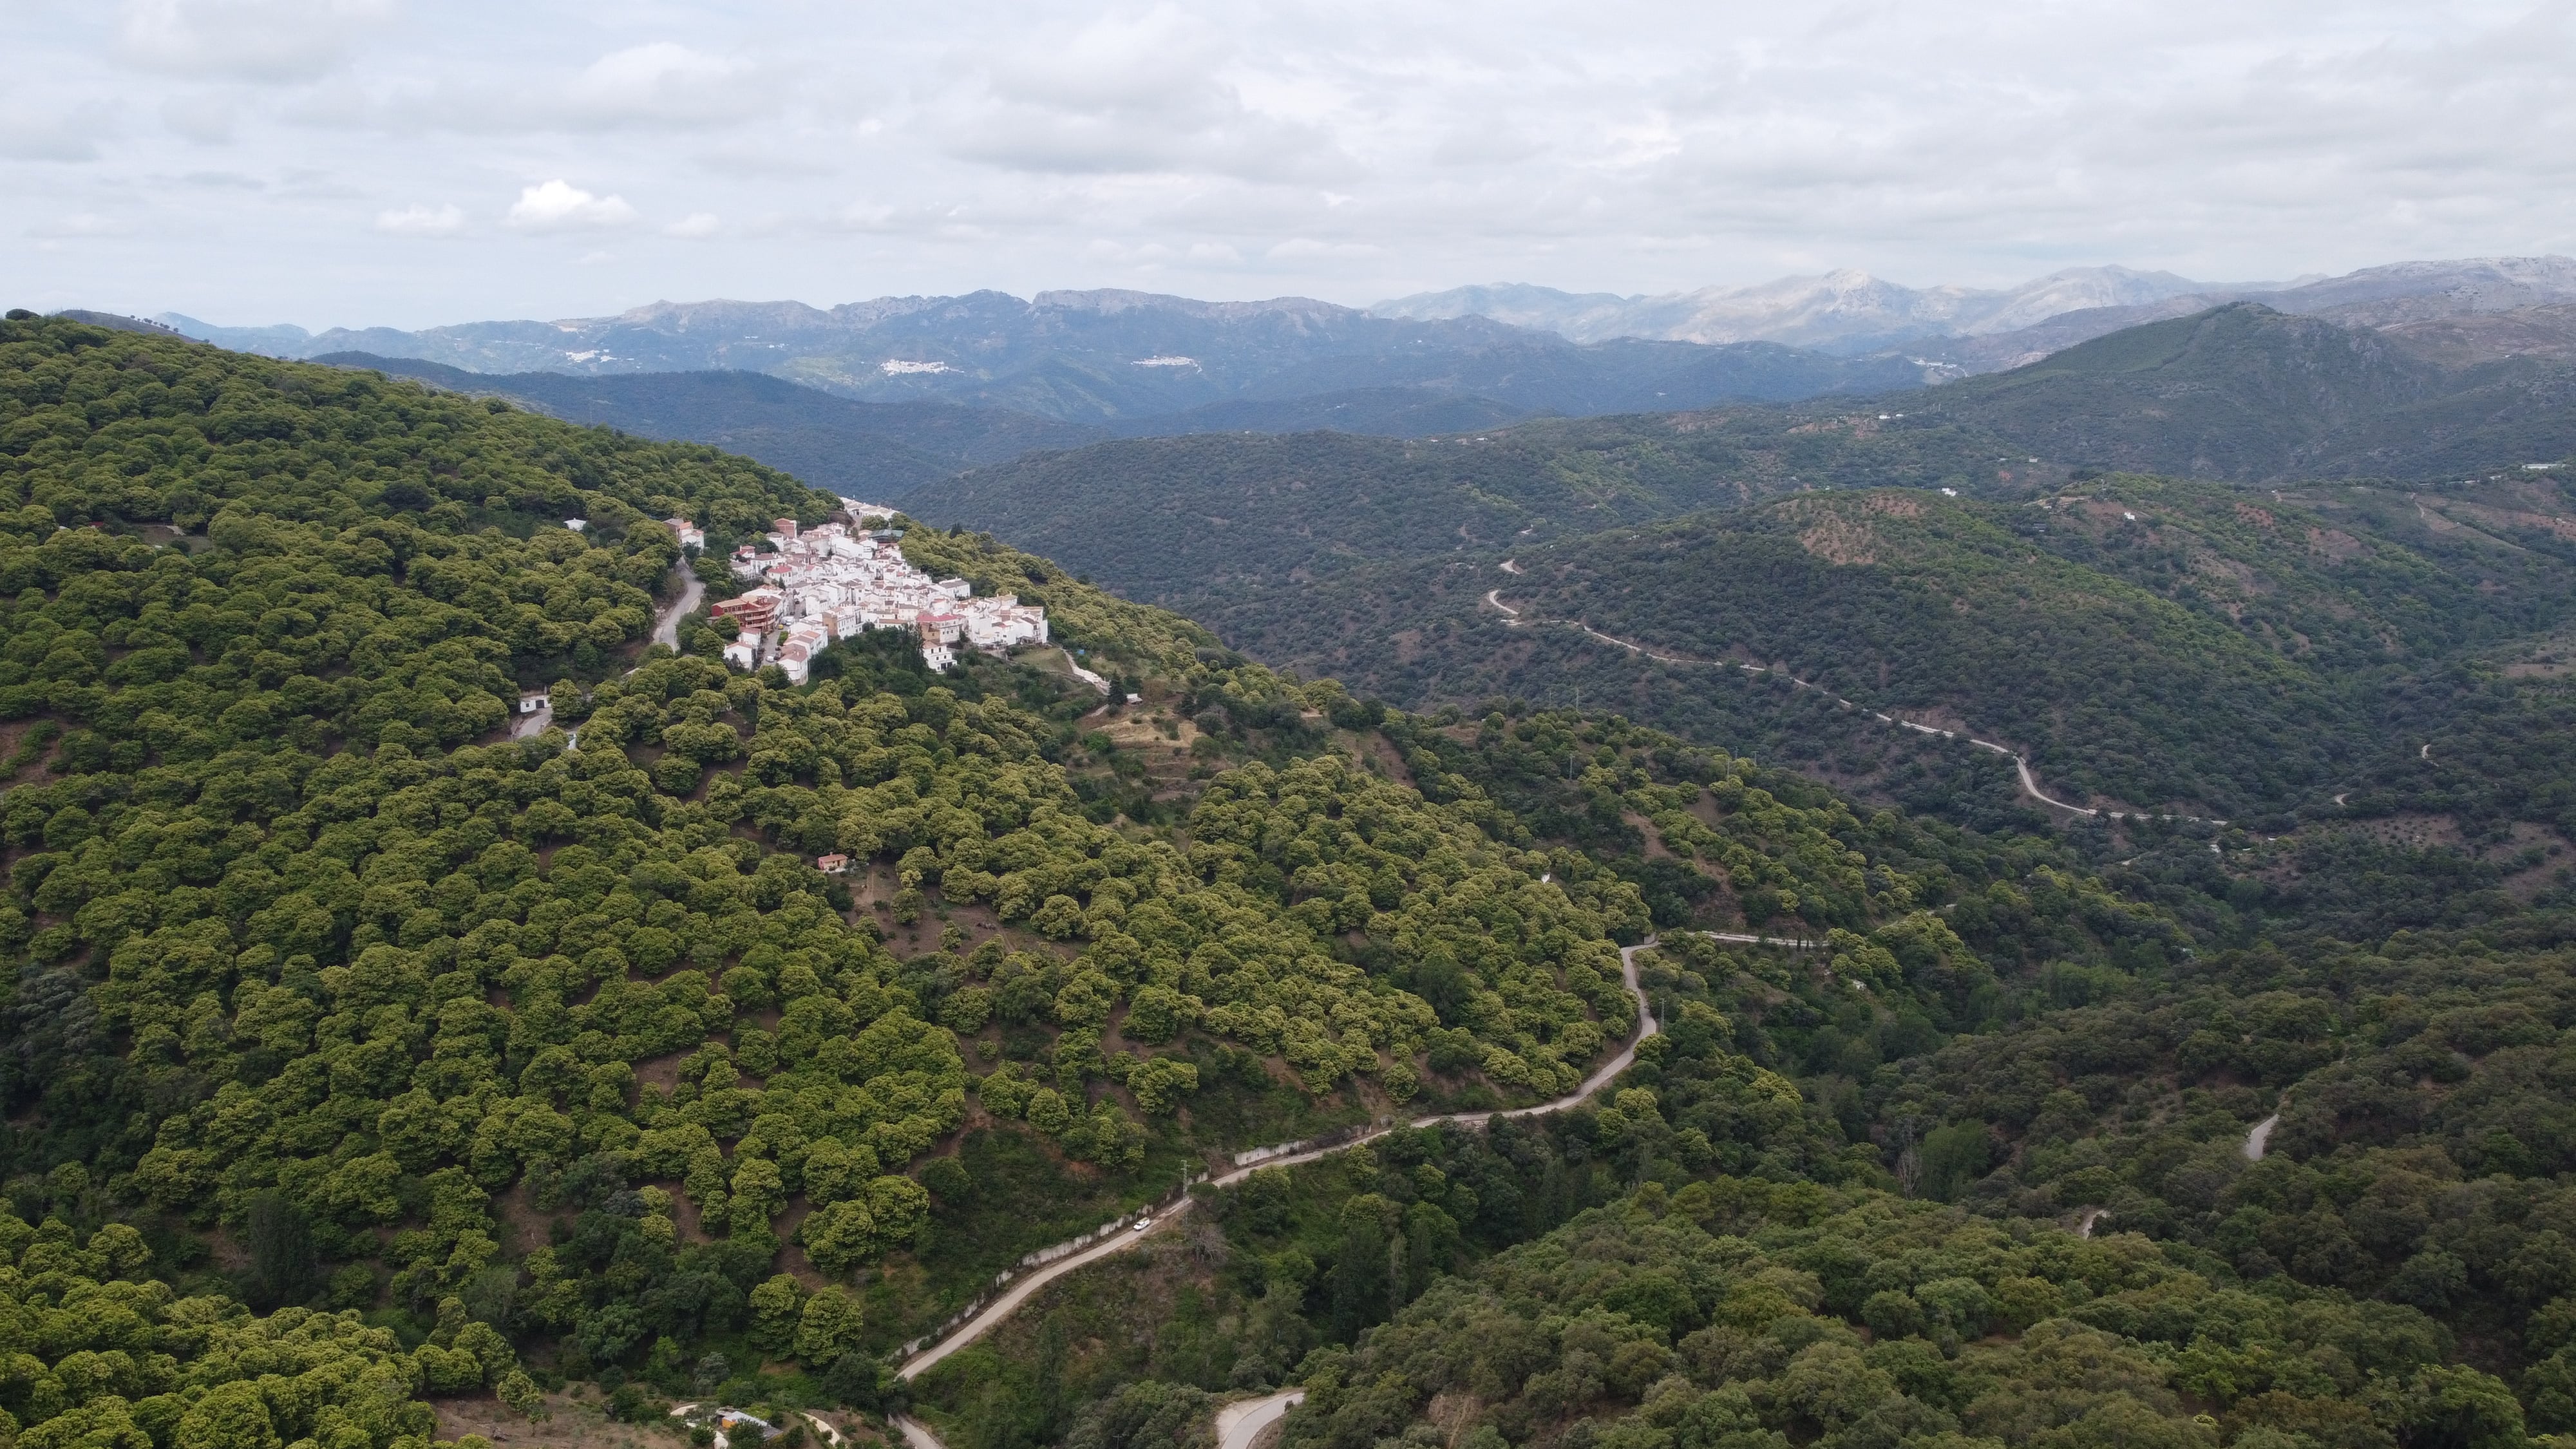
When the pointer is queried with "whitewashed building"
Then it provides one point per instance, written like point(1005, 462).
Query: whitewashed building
point(831, 583)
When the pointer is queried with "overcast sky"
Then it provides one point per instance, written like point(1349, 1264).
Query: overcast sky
point(403, 162)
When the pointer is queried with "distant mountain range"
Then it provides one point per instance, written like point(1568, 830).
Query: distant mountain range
point(879, 449)
point(2414, 370)
point(1851, 313)
point(2247, 393)
point(856, 449)
point(1109, 358)
point(2239, 394)
point(1843, 311)
point(1112, 358)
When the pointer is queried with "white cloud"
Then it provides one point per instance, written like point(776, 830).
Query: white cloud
point(1257, 147)
point(696, 226)
point(1127, 94)
point(255, 40)
point(1488, 141)
point(1299, 246)
point(561, 206)
point(663, 84)
point(78, 224)
point(203, 117)
point(73, 135)
point(420, 220)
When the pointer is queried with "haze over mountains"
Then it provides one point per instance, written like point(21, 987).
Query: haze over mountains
point(1114, 359)
point(1850, 313)
point(2245, 393)
point(2402, 370)
point(1844, 310)
point(1098, 357)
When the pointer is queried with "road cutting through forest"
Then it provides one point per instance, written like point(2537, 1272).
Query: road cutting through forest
point(2021, 767)
point(1120, 1236)
point(666, 630)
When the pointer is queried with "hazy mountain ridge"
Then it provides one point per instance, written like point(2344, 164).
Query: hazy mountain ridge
point(1099, 357)
point(1844, 311)
point(1850, 312)
point(2238, 392)
point(1137, 363)
point(855, 449)
point(2247, 393)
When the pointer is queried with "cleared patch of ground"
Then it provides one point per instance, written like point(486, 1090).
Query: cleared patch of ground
point(571, 1424)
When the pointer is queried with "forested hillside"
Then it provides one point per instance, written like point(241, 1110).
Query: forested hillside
point(868, 451)
point(2146, 644)
point(355, 965)
point(1190, 522)
point(2239, 393)
point(366, 1063)
point(2120, 1194)
point(2245, 393)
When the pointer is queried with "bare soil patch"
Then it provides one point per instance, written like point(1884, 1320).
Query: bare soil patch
point(572, 1424)
point(663, 1071)
point(1840, 541)
point(2415, 832)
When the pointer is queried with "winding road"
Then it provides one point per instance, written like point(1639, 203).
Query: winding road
point(2260, 1137)
point(2021, 767)
point(1124, 1238)
point(1238, 1424)
point(666, 628)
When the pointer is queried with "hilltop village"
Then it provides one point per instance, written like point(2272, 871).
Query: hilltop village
point(832, 581)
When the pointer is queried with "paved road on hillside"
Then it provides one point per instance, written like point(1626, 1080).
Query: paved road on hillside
point(666, 629)
point(1512, 619)
point(1126, 1238)
point(1238, 1424)
point(2259, 1136)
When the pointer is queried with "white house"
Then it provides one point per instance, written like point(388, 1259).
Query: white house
point(836, 583)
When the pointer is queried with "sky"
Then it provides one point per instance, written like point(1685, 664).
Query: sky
point(407, 163)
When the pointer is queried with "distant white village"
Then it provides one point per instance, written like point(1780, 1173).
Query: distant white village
point(821, 584)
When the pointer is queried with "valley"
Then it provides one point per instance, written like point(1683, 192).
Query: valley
point(1766, 925)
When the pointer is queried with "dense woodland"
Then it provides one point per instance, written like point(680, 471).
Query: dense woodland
point(1191, 523)
point(1921, 1193)
point(2147, 644)
point(870, 451)
point(363, 1060)
point(2247, 394)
